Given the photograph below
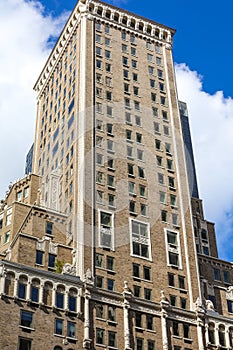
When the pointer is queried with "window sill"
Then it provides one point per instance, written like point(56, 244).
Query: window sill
point(59, 335)
point(24, 328)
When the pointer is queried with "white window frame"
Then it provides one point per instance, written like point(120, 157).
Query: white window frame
point(104, 230)
point(148, 239)
point(172, 249)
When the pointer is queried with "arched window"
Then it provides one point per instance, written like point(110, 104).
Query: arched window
point(72, 300)
point(221, 334)
point(22, 284)
point(35, 290)
point(47, 293)
point(60, 297)
point(211, 333)
point(58, 348)
point(231, 336)
point(9, 284)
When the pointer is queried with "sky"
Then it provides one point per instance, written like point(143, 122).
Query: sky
point(202, 51)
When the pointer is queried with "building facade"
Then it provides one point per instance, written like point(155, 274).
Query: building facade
point(102, 245)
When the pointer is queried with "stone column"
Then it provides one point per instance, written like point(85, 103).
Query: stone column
point(87, 340)
point(127, 295)
point(164, 304)
point(2, 279)
point(199, 334)
point(28, 290)
point(227, 337)
point(54, 296)
point(66, 300)
point(216, 335)
point(207, 334)
point(16, 287)
point(41, 293)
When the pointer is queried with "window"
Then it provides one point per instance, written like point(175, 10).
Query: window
point(133, 51)
point(26, 319)
point(181, 282)
point(152, 83)
point(142, 191)
point(134, 64)
point(98, 38)
point(58, 326)
point(147, 294)
point(135, 77)
point(171, 182)
point(72, 301)
point(7, 237)
point(173, 248)
point(230, 306)
point(110, 263)
point(49, 228)
point(173, 300)
point(109, 111)
point(106, 229)
point(123, 35)
point(217, 275)
point(150, 345)
point(151, 70)
point(138, 319)
point(162, 197)
point(138, 121)
point(99, 260)
point(146, 273)
point(129, 152)
point(127, 119)
point(211, 333)
point(112, 339)
point(98, 51)
point(39, 257)
point(127, 102)
point(131, 187)
point(124, 48)
point(160, 73)
point(138, 138)
point(111, 181)
point(171, 279)
point(226, 276)
point(158, 61)
point(99, 177)
point(161, 179)
point(107, 54)
point(99, 282)
point(108, 67)
point(141, 172)
point(139, 344)
point(143, 209)
point(22, 289)
point(19, 196)
point(186, 331)
point(51, 260)
point(156, 128)
point(137, 291)
point(130, 169)
point(136, 90)
point(110, 146)
point(149, 322)
point(111, 200)
point(107, 29)
point(60, 298)
point(112, 313)
point(140, 239)
point(25, 344)
point(109, 95)
point(70, 329)
point(110, 163)
point(173, 200)
point(99, 159)
point(8, 216)
point(99, 336)
point(132, 207)
point(136, 270)
point(158, 145)
point(183, 303)
point(175, 328)
point(125, 61)
point(137, 105)
point(140, 154)
point(99, 310)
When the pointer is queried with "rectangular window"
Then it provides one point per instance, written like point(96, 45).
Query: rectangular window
point(49, 228)
point(131, 188)
point(150, 345)
point(171, 279)
point(139, 344)
point(149, 322)
point(137, 291)
point(140, 239)
point(138, 319)
point(147, 294)
point(51, 261)
point(112, 339)
point(106, 230)
point(110, 284)
point(39, 257)
point(112, 313)
point(71, 330)
point(110, 263)
point(217, 276)
point(146, 273)
point(99, 336)
point(99, 282)
point(173, 248)
point(21, 290)
point(26, 319)
point(25, 344)
point(136, 270)
point(58, 326)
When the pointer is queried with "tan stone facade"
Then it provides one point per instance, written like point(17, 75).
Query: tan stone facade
point(104, 248)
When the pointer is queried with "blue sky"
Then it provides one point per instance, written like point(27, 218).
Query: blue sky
point(203, 58)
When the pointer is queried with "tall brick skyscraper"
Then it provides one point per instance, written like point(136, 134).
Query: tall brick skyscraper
point(101, 241)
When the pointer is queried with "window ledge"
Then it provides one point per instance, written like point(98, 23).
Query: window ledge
point(71, 338)
point(59, 335)
point(26, 328)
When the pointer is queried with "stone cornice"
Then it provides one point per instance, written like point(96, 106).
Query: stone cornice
point(107, 13)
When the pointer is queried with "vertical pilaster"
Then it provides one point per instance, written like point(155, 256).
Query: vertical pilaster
point(87, 340)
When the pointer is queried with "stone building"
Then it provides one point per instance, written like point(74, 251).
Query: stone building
point(102, 245)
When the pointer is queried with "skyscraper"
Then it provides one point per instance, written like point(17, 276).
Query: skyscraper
point(110, 202)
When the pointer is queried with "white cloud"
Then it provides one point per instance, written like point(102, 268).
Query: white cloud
point(25, 31)
point(211, 120)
